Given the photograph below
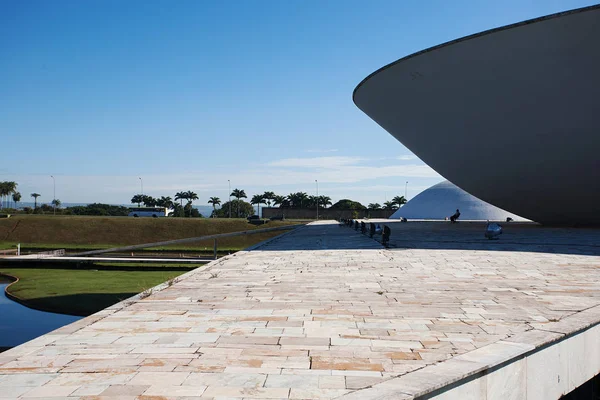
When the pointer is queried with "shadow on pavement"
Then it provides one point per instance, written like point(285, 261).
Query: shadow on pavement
point(442, 235)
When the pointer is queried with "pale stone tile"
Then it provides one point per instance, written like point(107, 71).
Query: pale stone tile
point(250, 370)
point(164, 350)
point(250, 393)
point(377, 393)
point(316, 393)
point(496, 353)
point(397, 344)
point(301, 341)
point(26, 380)
point(125, 390)
point(239, 380)
point(11, 392)
point(356, 373)
point(51, 391)
point(90, 390)
point(174, 390)
point(332, 382)
point(361, 382)
point(150, 378)
point(93, 379)
point(324, 372)
point(292, 381)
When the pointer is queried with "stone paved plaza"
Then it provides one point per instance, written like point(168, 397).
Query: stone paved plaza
point(324, 312)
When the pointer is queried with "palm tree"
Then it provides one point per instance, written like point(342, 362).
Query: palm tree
point(148, 201)
point(399, 201)
point(390, 205)
point(56, 203)
point(268, 197)
point(35, 196)
point(292, 199)
point(238, 194)
point(138, 198)
point(298, 199)
point(279, 200)
point(324, 201)
point(191, 196)
point(374, 206)
point(215, 201)
point(257, 199)
point(166, 202)
point(180, 196)
point(16, 198)
point(3, 192)
point(6, 188)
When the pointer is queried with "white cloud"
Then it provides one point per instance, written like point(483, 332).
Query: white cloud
point(407, 157)
point(322, 151)
point(346, 177)
point(341, 170)
point(316, 162)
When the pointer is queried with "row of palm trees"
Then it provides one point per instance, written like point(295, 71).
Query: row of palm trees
point(167, 201)
point(293, 200)
point(8, 190)
point(394, 204)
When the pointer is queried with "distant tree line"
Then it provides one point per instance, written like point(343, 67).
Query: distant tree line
point(394, 204)
point(97, 209)
point(236, 208)
point(8, 192)
point(179, 210)
point(240, 209)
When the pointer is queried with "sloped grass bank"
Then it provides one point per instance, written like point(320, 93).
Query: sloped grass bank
point(79, 292)
point(39, 232)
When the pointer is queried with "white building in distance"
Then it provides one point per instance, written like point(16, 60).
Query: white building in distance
point(441, 201)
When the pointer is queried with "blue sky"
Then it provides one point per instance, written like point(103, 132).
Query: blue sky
point(189, 94)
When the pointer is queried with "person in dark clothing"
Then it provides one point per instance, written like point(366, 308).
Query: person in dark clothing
point(385, 238)
point(455, 216)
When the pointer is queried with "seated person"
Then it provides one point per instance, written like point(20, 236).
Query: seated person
point(454, 217)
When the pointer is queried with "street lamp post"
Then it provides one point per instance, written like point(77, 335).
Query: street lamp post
point(141, 185)
point(53, 193)
point(317, 183)
point(229, 183)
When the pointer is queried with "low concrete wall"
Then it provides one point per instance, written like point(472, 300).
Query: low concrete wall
point(324, 213)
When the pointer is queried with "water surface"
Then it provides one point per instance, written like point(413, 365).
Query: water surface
point(19, 324)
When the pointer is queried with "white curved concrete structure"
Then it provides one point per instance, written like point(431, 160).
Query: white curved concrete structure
point(442, 200)
point(510, 115)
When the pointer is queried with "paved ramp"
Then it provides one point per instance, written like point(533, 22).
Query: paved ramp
point(325, 312)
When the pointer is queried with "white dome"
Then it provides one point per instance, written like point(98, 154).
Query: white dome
point(442, 200)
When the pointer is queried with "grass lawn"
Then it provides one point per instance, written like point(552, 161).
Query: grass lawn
point(84, 291)
point(189, 266)
point(79, 233)
point(80, 292)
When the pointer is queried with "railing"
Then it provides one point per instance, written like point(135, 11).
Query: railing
point(187, 240)
point(8, 251)
point(52, 253)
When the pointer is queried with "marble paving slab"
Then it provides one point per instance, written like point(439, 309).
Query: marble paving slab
point(324, 312)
